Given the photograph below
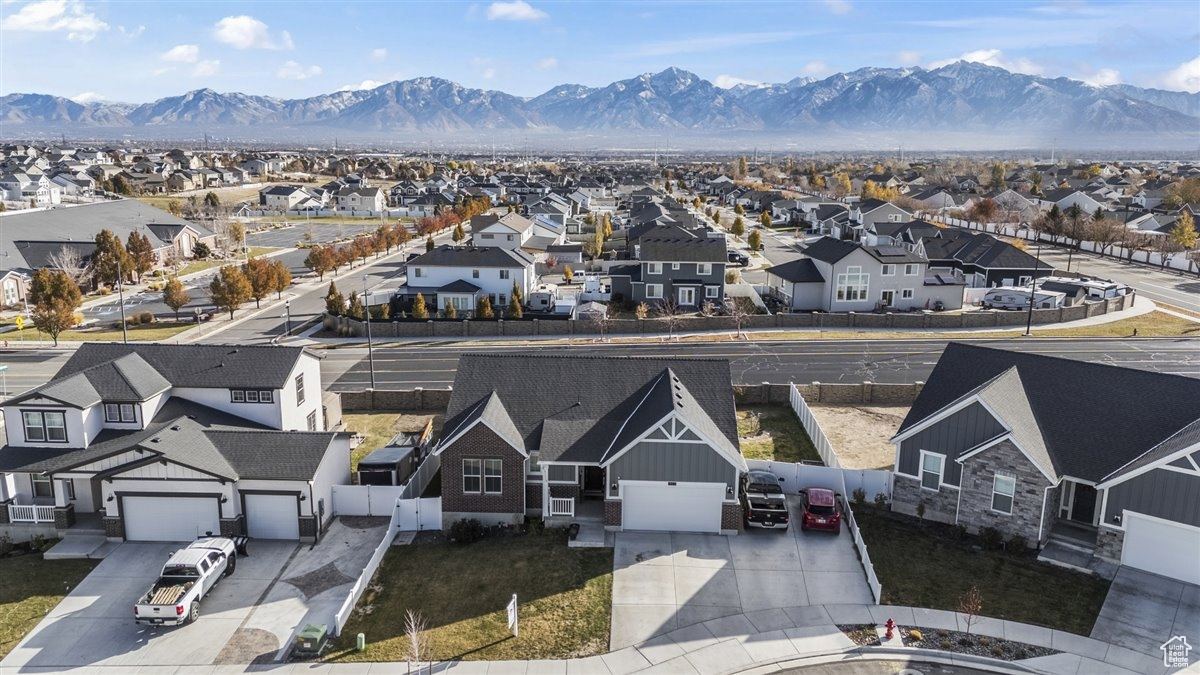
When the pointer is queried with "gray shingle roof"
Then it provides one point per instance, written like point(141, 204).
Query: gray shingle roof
point(798, 271)
point(682, 249)
point(125, 379)
point(1094, 418)
point(192, 365)
point(471, 256)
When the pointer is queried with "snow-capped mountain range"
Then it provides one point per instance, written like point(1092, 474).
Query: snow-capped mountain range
point(960, 97)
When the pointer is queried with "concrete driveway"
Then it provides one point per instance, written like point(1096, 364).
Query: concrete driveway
point(662, 582)
point(94, 624)
point(1143, 610)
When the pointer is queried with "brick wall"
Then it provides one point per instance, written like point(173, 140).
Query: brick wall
point(64, 516)
point(907, 493)
point(308, 527)
point(114, 528)
point(1110, 543)
point(975, 506)
point(4, 514)
point(533, 496)
point(731, 517)
point(405, 399)
point(482, 443)
point(233, 527)
point(612, 513)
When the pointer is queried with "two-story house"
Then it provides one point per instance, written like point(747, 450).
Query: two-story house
point(352, 198)
point(983, 260)
point(162, 442)
point(844, 276)
point(509, 231)
point(682, 266)
point(459, 275)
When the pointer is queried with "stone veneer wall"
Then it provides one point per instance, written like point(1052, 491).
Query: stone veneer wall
point(308, 527)
point(975, 505)
point(940, 506)
point(731, 517)
point(64, 516)
point(1110, 543)
point(233, 527)
point(114, 528)
point(612, 514)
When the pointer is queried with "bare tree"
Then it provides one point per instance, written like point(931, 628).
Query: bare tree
point(68, 261)
point(739, 310)
point(668, 311)
point(970, 605)
point(601, 320)
point(1105, 232)
point(418, 641)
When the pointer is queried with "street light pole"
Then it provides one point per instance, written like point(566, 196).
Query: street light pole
point(287, 318)
point(1033, 288)
point(367, 318)
point(121, 299)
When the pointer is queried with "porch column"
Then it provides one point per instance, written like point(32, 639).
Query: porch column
point(60, 492)
point(545, 492)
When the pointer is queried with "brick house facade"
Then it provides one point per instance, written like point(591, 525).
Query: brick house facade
point(507, 505)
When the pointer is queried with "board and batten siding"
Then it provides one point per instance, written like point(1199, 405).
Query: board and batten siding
point(1169, 495)
point(957, 433)
point(668, 461)
point(559, 473)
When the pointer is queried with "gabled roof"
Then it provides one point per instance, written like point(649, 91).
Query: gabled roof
point(798, 271)
point(195, 365)
point(125, 379)
point(459, 286)
point(1093, 418)
point(472, 256)
point(567, 422)
point(980, 249)
point(684, 248)
point(1005, 397)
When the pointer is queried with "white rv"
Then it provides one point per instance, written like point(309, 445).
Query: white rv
point(1011, 297)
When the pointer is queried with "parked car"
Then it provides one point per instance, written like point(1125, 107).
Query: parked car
point(763, 501)
point(739, 258)
point(819, 510)
point(188, 575)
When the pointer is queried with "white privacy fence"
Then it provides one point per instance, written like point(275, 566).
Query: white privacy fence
point(824, 447)
point(360, 584)
point(365, 500)
point(415, 486)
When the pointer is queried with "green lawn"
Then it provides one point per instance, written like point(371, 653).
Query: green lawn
point(256, 251)
point(29, 588)
point(163, 330)
point(379, 428)
point(919, 565)
point(201, 265)
point(773, 432)
point(564, 594)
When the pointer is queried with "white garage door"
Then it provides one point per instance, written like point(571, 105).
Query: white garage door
point(682, 507)
point(272, 517)
point(1162, 547)
point(170, 518)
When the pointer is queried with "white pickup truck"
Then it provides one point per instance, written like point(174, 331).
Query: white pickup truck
point(188, 575)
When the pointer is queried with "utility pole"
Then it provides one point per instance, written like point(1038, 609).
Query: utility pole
point(121, 299)
point(1033, 287)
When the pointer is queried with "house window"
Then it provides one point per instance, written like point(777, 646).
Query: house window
point(312, 421)
point(47, 426)
point(535, 465)
point(1024, 281)
point(487, 236)
point(474, 274)
point(852, 284)
point(119, 412)
point(510, 237)
point(472, 470)
point(237, 396)
point(675, 266)
point(69, 488)
point(251, 396)
point(1003, 489)
point(42, 486)
point(492, 478)
point(300, 389)
point(654, 291)
point(653, 268)
point(505, 274)
point(888, 270)
point(266, 396)
point(893, 217)
point(931, 470)
point(712, 291)
point(704, 268)
point(417, 272)
point(910, 270)
point(906, 294)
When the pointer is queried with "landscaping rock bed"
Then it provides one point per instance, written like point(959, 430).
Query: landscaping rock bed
point(956, 642)
point(861, 634)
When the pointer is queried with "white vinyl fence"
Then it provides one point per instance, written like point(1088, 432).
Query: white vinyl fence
point(360, 584)
point(868, 566)
point(824, 447)
point(415, 486)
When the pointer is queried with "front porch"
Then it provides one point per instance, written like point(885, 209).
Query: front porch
point(1073, 545)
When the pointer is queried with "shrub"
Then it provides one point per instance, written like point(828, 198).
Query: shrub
point(1018, 543)
point(990, 538)
point(859, 496)
point(133, 320)
point(997, 651)
point(6, 545)
point(921, 509)
point(881, 500)
point(946, 645)
point(466, 531)
point(958, 532)
point(146, 317)
point(942, 632)
point(915, 635)
point(985, 641)
point(104, 290)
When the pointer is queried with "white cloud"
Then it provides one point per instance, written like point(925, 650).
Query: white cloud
point(488, 73)
point(379, 54)
point(247, 32)
point(52, 16)
point(839, 6)
point(816, 69)
point(518, 10)
point(728, 81)
point(994, 57)
point(131, 32)
point(206, 68)
point(163, 71)
point(1184, 78)
point(182, 54)
point(1103, 77)
point(88, 97)
point(290, 70)
point(708, 43)
point(909, 58)
point(547, 63)
point(365, 84)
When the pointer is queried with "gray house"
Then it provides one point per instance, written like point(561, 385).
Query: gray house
point(1067, 454)
point(687, 267)
point(655, 448)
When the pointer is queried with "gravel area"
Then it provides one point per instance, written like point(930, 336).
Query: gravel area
point(860, 433)
point(957, 642)
point(319, 580)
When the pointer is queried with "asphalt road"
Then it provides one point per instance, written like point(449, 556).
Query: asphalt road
point(886, 361)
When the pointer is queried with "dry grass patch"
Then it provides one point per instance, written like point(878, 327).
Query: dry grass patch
point(773, 433)
point(378, 428)
point(29, 588)
point(859, 433)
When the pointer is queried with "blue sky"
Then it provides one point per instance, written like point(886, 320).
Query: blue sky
point(139, 51)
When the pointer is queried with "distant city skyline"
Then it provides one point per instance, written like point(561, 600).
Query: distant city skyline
point(137, 52)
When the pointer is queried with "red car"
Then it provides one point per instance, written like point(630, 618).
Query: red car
point(819, 510)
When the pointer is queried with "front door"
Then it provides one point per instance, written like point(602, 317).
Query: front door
point(1083, 507)
point(593, 480)
point(687, 297)
point(888, 298)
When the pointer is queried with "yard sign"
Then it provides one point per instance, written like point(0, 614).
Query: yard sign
point(512, 616)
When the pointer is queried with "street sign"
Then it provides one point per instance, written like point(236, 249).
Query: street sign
point(20, 323)
point(513, 621)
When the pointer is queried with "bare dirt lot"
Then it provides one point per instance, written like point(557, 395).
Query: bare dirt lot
point(860, 433)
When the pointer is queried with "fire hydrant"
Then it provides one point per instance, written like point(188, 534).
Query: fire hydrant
point(890, 625)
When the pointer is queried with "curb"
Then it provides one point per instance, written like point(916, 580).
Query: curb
point(869, 654)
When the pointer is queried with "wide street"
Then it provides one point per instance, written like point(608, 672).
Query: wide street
point(886, 361)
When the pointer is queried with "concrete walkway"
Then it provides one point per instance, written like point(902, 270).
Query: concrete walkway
point(761, 642)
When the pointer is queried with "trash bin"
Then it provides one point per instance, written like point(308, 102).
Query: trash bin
point(311, 640)
point(573, 531)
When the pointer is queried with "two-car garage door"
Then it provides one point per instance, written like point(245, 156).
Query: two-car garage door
point(170, 518)
point(1162, 547)
point(675, 507)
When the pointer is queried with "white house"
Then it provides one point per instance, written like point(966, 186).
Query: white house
point(510, 231)
point(459, 275)
point(361, 199)
point(164, 442)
